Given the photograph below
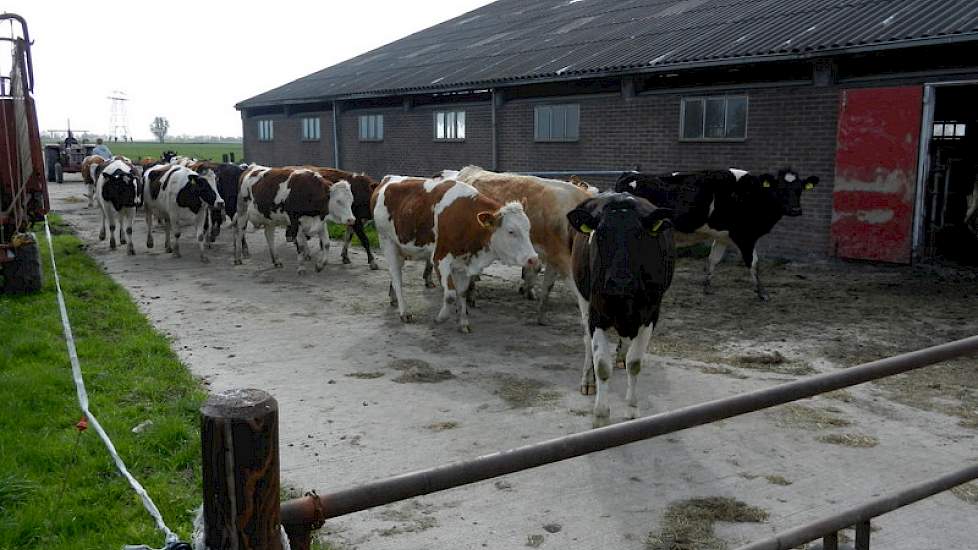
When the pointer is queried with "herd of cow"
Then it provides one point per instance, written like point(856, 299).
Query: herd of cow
point(617, 248)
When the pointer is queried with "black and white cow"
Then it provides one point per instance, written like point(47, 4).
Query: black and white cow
point(185, 198)
point(117, 193)
point(725, 206)
point(623, 262)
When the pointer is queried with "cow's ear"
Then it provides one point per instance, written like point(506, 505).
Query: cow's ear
point(657, 220)
point(582, 220)
point(766, 180)
point(811, 182)
point(486, 218)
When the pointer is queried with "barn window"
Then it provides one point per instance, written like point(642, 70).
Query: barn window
point(714, 118)
point(450, 125)
point(265, 130)
point(557, 122)
point(310, 129)
point(371, 127)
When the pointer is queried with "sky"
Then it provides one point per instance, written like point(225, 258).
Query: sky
point(192, 61)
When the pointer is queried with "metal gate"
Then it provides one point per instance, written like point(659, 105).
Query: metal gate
point(875, 173)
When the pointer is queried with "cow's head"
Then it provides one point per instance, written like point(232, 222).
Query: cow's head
point(510, 240)
point(168, 155)
point(625, 233)
point(208, 192)
point(362, 187)
point(120, 187)
point(341, 203)
point(787, 188)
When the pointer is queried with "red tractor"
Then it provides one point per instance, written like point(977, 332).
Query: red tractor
point(23, 189)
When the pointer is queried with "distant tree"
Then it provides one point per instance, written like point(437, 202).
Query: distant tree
point(159, 127)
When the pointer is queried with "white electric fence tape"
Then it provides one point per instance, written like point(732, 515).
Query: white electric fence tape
point(171, 537)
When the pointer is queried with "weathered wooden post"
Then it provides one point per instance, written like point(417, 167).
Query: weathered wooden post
point(224, 157)
point(239, 444)
point(231, 156)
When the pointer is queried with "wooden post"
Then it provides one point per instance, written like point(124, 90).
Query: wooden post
point(239, 444)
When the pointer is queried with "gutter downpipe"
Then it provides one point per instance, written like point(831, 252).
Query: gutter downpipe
point(336, 137)
point(495, 139)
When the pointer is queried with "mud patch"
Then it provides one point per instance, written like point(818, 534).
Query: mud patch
point(726, 371)
point(808, 418)
point(857, 441)
point(362, 375)
point(967, 492)
point(442, 426)
point(409, 518)
point(948, 389)
point(524, 392)
point(688, 524)
point(772, 361)
point(416, 371)
point(777, 480)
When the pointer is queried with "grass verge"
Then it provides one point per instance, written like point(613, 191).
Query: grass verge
point(59, 489)
point(337, 232)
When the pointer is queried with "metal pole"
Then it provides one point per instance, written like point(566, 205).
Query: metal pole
point(386, 491)
point(495, 137)
point(336, 137)
point(860, 515)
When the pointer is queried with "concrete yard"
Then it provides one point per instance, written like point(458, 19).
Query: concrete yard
point(363, 396)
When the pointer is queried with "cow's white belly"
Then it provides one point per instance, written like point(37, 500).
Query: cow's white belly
point(277, 218)
point(414, 251)
point(703, 234)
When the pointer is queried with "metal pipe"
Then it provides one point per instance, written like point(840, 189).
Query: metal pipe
point(860, 515)
point(568, 173)
point(405, 486)
point(495, 136)
point(336, 137)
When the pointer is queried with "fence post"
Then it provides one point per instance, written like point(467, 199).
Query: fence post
point(239, 444)
point(231, 155)
point(224, 158)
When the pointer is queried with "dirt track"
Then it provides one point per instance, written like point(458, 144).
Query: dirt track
point(363, 396)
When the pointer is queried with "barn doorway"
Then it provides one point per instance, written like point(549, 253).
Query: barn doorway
point(947, 213)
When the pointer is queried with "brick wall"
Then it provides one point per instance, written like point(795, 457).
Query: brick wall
point(287, 146)
point(786, 126)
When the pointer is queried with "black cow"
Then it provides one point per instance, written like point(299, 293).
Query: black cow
point(623, 262)
point(727, 206)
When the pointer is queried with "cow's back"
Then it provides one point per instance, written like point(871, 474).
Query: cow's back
point(690, 196)
point(264, 188)
point(457, 228)
point(308, 194)
point(410, 207)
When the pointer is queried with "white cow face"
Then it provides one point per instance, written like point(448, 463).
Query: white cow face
point(510, 239)
point(211, 179)
point(341, 203)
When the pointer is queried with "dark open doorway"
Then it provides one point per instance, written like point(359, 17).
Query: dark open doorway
point(949, 232)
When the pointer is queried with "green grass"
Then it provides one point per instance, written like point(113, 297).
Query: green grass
point(132, 376)
point(212, 151)
point(338, 231)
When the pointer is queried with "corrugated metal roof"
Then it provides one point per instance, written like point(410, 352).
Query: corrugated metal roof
point(512, 40)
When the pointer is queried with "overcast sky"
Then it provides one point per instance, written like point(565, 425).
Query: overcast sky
point(192, 61)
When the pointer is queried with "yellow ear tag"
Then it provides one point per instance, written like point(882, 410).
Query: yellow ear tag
point(809, 186)
point(586, 229)
point(655, 229)
point(766, 184)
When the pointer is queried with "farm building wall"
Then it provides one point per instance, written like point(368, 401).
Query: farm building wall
point(793, 126)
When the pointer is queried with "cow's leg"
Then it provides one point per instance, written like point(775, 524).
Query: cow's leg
point(463, 285)
point(633, 361)
point(587, 375)
point(112, 222)
point(234, 240)
point(756, 277)
point(270, 238)
point(347, 238)
point(101, 233)
point(201, 227)
point(177, 231)
point(450, 291)
point(365, 241)
point(529, 282)
point(550, 276)
point(428, 268)
point(149, 227)
point(167, 243)
point(603, 364)
point(323, 246)
point(624, 344)
point(302, 250)
point(123, 216)
point(91, 194)
point(395, 264)
point(716, 254)
point(130, 218)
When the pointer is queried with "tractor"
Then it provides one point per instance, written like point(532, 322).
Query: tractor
point(65, 157)
point(23, 189)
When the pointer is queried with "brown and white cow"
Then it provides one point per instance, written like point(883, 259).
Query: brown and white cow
point(91, 167)
point(292, 197)
point(449, 222)
point(117, 193)
point(547, 203)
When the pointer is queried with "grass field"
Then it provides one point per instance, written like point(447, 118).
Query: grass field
point(59, 489)
point(212, 151)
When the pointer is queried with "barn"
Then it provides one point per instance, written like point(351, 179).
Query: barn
point(876, 97)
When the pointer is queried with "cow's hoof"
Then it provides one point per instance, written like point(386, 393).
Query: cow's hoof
point(320, 268)
point(169, 248)
point(430, 284)
point(708, 289)
point(531, 294)
point(763, 296)
point(522, 290)
point(237, 262)
point(470, 301)
point(301, 271)
point(245, 254)
point(588, 389)
point(149, 244)
point(101, 235)
point(278, 264)
point(204, 259)
point(407, 318)
point(130, 252)
point(177, 254)
point(466, 329)
point(633, 412)
point(600, 421)
point(112, 246)
point(373, 266)
point(346, 260)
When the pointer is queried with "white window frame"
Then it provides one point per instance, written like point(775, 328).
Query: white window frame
point(371, 127)
point(449, 125)
point(266, 129)
point(553, 133)
point(310, 129)
point(702, 100)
